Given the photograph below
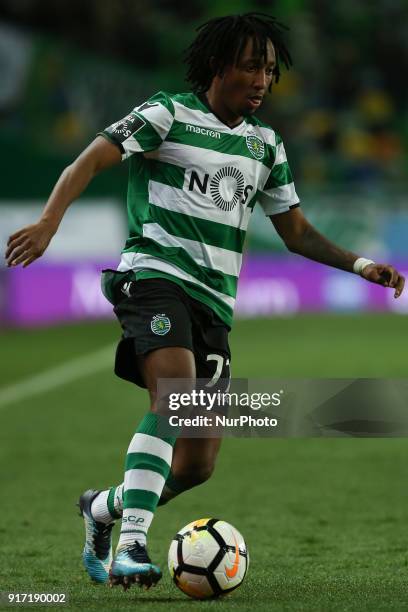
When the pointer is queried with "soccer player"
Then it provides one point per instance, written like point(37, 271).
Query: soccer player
point(199, 162)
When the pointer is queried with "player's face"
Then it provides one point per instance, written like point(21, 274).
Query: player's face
point(245, 84)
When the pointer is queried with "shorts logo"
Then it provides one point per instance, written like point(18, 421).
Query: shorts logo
point(160, 324)
point(256, 146)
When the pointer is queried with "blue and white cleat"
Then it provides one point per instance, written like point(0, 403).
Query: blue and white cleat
point(132, 565)
point(97, 553)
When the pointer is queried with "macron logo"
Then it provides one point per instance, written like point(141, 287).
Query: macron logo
point(203, 131)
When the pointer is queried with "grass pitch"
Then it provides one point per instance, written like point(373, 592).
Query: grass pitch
point(325, 519)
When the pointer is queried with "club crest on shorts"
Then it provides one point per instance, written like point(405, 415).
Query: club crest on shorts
point(160, 324)
point(256, 146)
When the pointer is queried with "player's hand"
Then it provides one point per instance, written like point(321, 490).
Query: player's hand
point(29, 243)
point(384, 275)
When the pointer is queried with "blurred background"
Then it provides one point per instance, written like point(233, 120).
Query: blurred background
point(335, 510)
point(70, 68)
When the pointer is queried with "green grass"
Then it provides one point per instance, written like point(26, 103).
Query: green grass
point(325, 519)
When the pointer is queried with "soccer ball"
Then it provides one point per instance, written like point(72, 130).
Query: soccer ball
point(208, 558)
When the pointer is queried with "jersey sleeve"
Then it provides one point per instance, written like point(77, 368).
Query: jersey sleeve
point(145, 128)
point(278, 194)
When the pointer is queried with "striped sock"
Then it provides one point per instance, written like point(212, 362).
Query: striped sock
point(147, 467)
point(108, 505)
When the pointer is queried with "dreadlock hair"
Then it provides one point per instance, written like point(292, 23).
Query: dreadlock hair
point(224, 39)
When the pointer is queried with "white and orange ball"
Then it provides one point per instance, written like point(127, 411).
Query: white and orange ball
point(208, 558)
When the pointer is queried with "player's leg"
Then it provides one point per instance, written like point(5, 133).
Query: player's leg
point(193, 464)
point(144, 332)
point(194, 459)
point(148, 465)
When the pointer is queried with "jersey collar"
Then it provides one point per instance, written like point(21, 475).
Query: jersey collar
point(203, 99)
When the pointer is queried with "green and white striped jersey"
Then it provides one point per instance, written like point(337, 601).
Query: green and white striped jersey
point(192, 188)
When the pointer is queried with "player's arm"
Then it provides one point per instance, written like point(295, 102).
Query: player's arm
point(301, 237)
point(30, 242)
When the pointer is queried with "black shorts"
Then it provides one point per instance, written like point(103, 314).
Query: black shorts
point(156, 313)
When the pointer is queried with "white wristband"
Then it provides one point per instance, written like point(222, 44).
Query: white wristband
point(360, 264)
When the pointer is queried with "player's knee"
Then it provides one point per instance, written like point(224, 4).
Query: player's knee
point(194, 474)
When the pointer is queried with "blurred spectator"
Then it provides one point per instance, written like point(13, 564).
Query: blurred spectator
point(71, 67)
